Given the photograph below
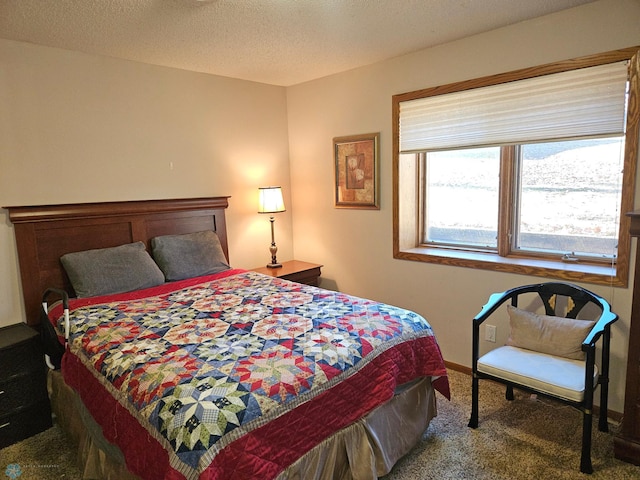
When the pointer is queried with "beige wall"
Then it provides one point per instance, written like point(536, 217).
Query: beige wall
point(82, 128)
point(356, 246)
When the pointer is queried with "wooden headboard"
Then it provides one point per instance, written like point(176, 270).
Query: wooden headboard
point(45, 233)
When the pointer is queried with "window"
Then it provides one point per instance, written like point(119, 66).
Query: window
point(528, 172)
point(461, 198)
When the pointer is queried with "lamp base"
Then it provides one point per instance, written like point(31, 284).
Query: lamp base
point(274, 265)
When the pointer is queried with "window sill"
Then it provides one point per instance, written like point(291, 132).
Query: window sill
point(575, 272)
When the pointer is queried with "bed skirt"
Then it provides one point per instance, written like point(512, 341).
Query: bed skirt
point(366, 449)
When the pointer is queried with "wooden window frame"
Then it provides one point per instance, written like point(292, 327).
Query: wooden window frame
point(407, 184)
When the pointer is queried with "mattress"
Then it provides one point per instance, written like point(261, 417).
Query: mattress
point(241, 375)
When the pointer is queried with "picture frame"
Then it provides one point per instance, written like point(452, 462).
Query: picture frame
point(357, 166)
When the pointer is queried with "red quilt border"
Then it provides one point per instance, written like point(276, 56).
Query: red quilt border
point(270, 450)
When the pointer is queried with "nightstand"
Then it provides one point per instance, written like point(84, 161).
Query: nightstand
point(296, 271)
point(24, 402)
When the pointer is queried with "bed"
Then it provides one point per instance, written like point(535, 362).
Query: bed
point(221, 373)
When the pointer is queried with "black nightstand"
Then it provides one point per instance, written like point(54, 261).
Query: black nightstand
point(24, 402)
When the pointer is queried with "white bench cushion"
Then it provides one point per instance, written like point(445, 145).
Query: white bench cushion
point(559, 376)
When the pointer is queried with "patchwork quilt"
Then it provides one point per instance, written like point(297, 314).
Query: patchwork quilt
point(238, 374)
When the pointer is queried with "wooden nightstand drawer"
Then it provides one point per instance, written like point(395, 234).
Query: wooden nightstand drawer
point(22, 390)
point(308, 277)
point(24, 402)
point(24, 423)
point(24, 357)
point(295, 271)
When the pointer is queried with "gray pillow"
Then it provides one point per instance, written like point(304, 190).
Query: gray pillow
point(189, 255)
point(111, 270)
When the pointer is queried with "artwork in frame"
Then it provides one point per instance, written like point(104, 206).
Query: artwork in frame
point(356, 170)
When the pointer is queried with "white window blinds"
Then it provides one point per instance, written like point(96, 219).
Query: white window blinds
point(579, 103)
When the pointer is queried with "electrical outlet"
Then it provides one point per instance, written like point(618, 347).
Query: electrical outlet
point(490, 333)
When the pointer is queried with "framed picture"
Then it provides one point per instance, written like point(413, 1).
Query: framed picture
point(357, 165)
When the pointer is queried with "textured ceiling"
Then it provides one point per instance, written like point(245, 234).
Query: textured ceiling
point(279, 42)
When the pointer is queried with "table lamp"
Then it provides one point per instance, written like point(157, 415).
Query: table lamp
point(270, 201)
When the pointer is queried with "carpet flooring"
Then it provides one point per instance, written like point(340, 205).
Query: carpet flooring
point(524, 439)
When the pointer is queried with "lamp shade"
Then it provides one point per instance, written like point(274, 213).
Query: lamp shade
point(270, 200)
